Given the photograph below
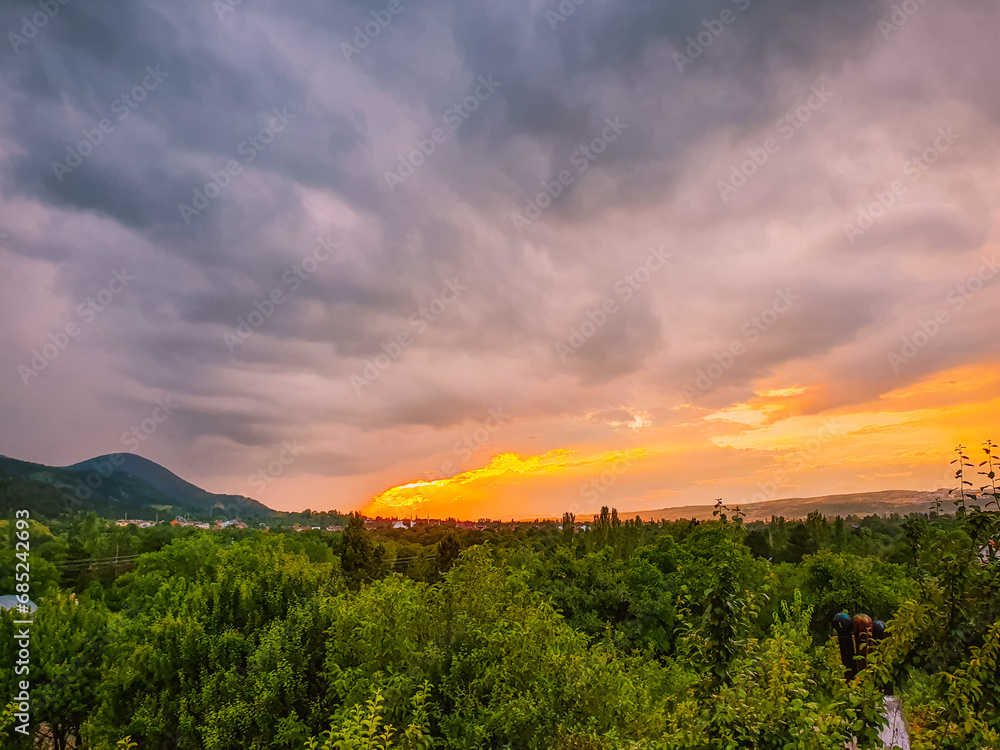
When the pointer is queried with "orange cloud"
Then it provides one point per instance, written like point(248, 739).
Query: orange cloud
point(772, 439)
point(504, 469)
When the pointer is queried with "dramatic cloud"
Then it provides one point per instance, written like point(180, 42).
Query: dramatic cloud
point(696, 234)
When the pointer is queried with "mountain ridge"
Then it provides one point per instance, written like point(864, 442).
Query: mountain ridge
point(114, 484)
point(879, 502)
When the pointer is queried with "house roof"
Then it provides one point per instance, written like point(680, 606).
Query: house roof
point(9, 601)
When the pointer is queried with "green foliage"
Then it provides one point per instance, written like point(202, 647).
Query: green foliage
point(6, 721)
point(448, 549)
point(361, 559)
point(364, 728)
point(67, 647)
point(774, 700)
point(834, 582)
point(728, 610)
point(627, 636)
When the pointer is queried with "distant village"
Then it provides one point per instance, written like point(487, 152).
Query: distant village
point(380, 523)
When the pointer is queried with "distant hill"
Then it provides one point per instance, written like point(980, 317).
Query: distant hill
point(142, 468)
point(859, 503)
point(114, 485)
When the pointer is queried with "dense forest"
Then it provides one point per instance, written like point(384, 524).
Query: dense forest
point(621, 634)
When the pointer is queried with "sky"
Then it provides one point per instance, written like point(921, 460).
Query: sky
point(502, 259)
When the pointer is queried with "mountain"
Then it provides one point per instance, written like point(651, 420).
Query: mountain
point(113, 485)
point(859, 504)
point(142, 468)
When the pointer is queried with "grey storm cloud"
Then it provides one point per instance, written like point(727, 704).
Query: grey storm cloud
point(349, 122)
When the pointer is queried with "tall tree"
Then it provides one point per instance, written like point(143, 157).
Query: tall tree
point(568, 528)
point(361, 558)
point(448, 550)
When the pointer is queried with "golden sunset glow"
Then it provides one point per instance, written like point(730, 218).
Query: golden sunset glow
point(903, 438)
point(503, 469)
point(768, 272)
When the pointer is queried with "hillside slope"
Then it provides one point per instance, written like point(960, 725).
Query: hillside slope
point(181, 492)
point(858, 503)
point(131, 485)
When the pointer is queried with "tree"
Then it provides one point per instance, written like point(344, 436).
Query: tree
point(67, 646)
point(757, 541)
point(819, 530)
point(568, 528)
point(800, 544)
point(448, 550)
point(361, 559)
point(728, 610)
